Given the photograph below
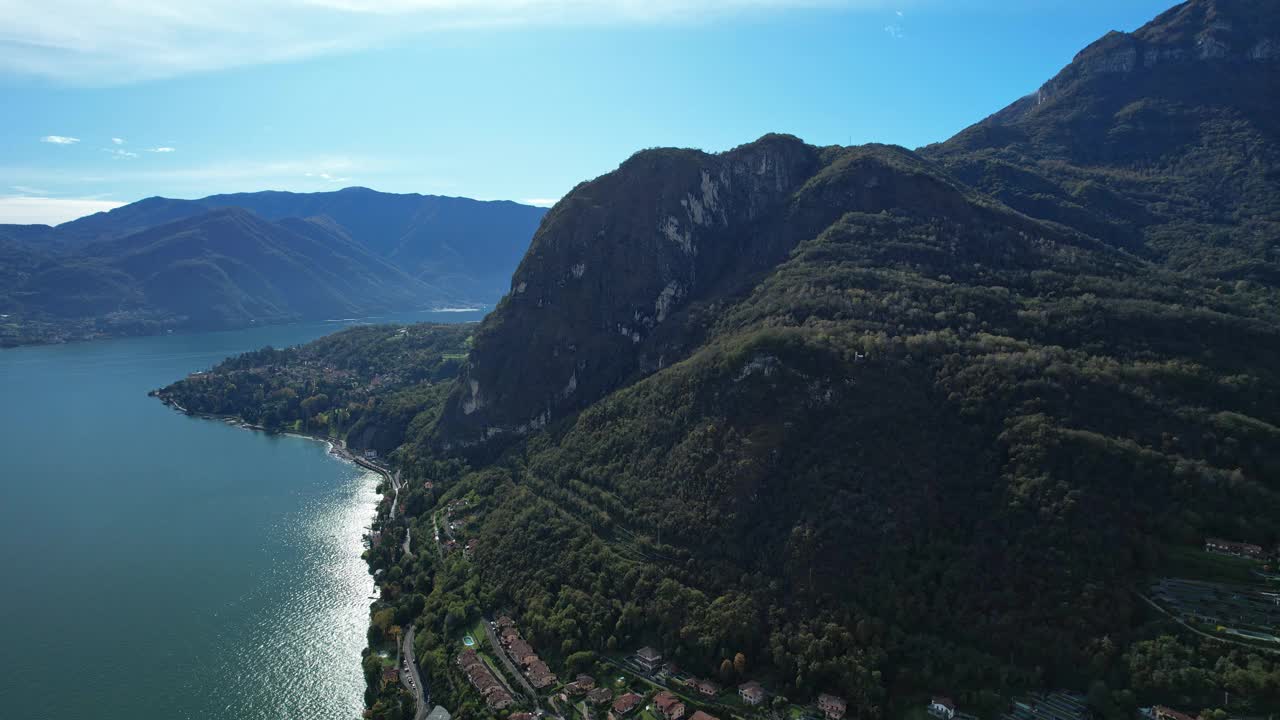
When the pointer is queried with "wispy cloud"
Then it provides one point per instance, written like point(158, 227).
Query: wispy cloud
point(118, 141)
point(232, 174)
point(894, 29)
point(25, 190)
point(26, 210)
point(59, 140)
point(160, 150)
point(106, 43)
point(119, 154)
point(327, 177)
point(540, 202)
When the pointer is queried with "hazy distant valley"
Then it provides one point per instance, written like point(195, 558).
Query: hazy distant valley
point(229, 261)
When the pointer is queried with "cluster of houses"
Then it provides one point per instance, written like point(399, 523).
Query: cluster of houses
point(671, 707)
point(483, 680)
point(752, 693)
point(522, 654)
point(1235, 549)
point(451, 526)
point(832, 706)
point(586, 685)
point(1161, 712)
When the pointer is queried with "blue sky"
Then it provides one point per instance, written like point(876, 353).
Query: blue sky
point(110, 102)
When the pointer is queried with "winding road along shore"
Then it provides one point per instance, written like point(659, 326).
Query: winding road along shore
point(409, 671)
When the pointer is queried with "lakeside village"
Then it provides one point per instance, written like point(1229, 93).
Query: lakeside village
point(1233, 595)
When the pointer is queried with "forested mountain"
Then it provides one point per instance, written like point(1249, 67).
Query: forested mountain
point(228, 260)
point(888, 422)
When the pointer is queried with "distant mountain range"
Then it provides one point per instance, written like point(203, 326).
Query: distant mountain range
point(230, 260)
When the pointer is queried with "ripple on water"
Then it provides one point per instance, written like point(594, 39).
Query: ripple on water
point(299, 654)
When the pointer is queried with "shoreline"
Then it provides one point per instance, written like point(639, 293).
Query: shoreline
point(337, 448)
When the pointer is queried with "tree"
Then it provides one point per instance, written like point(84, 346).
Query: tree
point(740, 664)
point(726, 670)
point(580, 661)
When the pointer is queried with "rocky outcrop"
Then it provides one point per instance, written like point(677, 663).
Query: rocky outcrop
point(610, 288)
point(1196, 31)
point(616, 259)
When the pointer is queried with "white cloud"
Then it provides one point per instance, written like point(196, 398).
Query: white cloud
point(59, 140)
point(108, 42)
point(160, 150)
point(118, 141)
point(327, 177)
point(229, 175)
point(25, 210)
point(118, 154)
point(540, 202)
point(25, 190)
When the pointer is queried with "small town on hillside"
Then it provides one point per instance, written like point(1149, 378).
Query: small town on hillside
point(505, 669)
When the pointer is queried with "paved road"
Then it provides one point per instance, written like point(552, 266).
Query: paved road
point(506, 661)
point(395, 483)
point(436, 526)
point(409, 669)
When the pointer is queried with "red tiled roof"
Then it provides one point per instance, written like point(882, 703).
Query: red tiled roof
point(699, 715)
point(626, 703)
point(664, 700)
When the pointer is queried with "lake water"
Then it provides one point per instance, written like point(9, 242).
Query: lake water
point(160, 566)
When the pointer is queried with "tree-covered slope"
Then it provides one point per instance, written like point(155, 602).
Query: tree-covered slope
point(888, 423)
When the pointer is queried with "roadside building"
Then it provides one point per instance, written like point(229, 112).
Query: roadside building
point(467, 658)
point(942, 707)
point(669, 705)
point(1236, 549)
point(751, 692)
point(389, 676)
point(699, 715)
point(625, 704)
point(1161, 712)
point(519, 650)
point(581, 685)
point(649, 658)
point(710, 688)
point(599, 696)
point(498, 698)
point(520, 716)
point(833, 706)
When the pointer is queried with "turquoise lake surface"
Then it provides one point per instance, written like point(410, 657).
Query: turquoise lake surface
point(161, 566)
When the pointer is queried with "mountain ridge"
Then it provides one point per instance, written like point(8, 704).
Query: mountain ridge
point(370, 253)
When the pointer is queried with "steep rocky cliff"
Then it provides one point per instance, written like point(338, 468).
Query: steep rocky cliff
point(625, 273)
